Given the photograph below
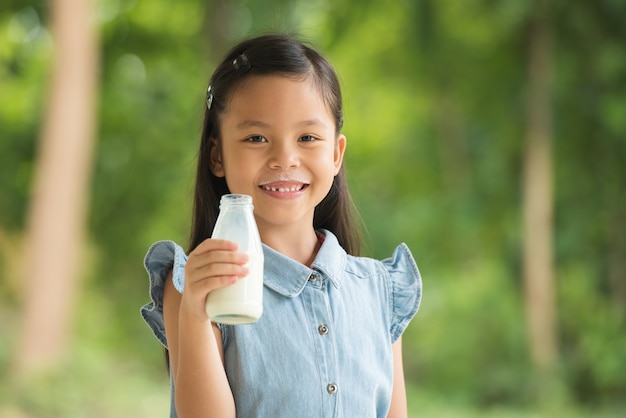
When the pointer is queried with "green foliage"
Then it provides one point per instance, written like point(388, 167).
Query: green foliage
point(94, 381)
point(594, 345)
point(469, 344)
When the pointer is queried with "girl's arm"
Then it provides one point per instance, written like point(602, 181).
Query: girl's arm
point(398, 407)
point(194, 343)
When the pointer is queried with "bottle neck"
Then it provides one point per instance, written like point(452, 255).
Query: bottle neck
point(230, 201)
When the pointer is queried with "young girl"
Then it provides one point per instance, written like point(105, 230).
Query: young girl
point(328, 343)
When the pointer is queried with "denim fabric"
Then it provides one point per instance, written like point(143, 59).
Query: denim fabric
point(160, 259)
point(322, 347)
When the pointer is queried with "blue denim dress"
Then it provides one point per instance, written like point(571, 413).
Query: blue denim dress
point(322, 347)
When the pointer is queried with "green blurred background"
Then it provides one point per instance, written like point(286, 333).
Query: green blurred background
point(436, 96)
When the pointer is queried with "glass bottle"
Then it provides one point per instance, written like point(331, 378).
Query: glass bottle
point(241, 302)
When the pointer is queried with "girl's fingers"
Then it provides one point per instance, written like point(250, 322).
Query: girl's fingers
point(211, 244)
point(213, 269)
point(211, 265)
point(216, 270)
point(199, 283)
point(198, 261)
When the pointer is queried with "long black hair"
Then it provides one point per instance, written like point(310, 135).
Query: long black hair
point(281, 55)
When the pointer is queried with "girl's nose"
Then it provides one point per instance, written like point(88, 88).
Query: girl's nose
point(284, 156)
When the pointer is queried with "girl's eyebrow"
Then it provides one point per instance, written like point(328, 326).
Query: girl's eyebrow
point(251, 123)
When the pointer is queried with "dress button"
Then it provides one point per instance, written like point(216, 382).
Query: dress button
point(322, 329)
point(312, 278)
point(331, 388)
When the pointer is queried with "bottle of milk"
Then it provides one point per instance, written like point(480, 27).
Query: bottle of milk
point(241, 302)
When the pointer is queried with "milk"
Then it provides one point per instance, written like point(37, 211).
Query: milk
point(241, 302)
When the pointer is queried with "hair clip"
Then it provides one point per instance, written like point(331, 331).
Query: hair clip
point(241, 64)
point(209, 98)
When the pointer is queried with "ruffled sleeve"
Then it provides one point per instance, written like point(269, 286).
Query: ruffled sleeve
point(406, 289)
point(162, 257)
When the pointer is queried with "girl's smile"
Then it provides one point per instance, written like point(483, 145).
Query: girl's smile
point(285, 186)
point(284, 189)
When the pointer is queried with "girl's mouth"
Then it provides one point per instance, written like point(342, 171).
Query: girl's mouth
point(284, 187)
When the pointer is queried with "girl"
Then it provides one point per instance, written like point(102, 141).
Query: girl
point(328, 343)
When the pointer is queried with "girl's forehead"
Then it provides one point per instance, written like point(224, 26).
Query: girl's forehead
point(274, 95)
point(275, 85)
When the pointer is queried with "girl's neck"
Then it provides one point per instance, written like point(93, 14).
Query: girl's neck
point(299, 245)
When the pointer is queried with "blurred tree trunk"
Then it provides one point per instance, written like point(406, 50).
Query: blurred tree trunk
point(538, 262)
point(57, 210)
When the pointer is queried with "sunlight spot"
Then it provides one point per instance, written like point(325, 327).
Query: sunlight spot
point(24, 26)
point(130, 68)
point(111, 9)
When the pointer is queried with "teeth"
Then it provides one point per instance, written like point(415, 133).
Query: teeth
point(283, 189)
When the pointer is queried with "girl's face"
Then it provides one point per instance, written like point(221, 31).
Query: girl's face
point(279, 145)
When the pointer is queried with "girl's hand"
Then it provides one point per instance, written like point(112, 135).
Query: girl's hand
point(211, 265)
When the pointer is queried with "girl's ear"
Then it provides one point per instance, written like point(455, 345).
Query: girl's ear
point(215, 159)
point(340, 149)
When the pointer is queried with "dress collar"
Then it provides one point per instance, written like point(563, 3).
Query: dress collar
point(289, 277)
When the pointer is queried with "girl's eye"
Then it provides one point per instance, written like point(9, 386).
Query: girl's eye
point(257, 138)
point(307, 138)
